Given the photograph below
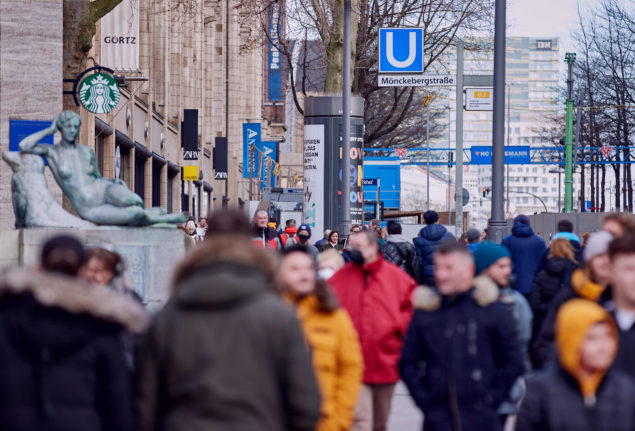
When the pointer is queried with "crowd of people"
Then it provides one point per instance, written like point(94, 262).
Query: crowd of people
point(266, 330)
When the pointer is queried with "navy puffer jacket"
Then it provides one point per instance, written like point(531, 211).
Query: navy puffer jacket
point(526, 249)
point(426, 243)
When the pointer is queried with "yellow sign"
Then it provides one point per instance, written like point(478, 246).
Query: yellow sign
point(481, 94)
point(190, 173)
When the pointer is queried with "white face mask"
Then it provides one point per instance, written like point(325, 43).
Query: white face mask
point(325, 273)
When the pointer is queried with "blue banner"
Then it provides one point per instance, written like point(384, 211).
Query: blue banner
point(251, 136)
point(274, 63)
point(513, 155)
point(20, 129)
point(270, 150)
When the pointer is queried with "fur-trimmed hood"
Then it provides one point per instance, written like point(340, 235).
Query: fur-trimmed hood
point(485, 292)
point(74, 296)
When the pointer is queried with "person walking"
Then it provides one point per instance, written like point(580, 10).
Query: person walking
point(290, 231)
point(333, 242)
point(401, 252)
point(376, 294)
point(225, 352)
point(329, 262)
point(263, 235)
point(622, 256)
point(526, 249)
point(329, 332)
point(465, 341)
point(319, 243)
point(581, 392)
point(559, 266)
point(430, 237)
point(592, 283)
point(473, 237)
point(63, 366)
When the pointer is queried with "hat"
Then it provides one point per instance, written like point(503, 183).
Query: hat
point(430, 217)
point(597, 244)
point(522, 219)
point(305, 227)
point(393, 228)
point(473, 235)
point(272, 224)
point(487, 253)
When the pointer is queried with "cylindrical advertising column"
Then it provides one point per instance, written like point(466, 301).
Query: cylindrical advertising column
point(322, 156)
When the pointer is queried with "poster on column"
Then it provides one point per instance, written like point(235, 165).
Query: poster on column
point(314, 177)
point(120, 37)
point(356, 169)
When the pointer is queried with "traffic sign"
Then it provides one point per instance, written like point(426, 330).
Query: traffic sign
point(466, 196)
point(401, 50)
point(423, 80)
point(479, 99)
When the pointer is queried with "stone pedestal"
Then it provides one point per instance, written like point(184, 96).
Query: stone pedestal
point(150, 255)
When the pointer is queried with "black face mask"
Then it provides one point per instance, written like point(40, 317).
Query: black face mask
point(356, 257)
point(303, 238)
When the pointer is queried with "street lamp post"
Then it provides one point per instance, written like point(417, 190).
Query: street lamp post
point(345, 220)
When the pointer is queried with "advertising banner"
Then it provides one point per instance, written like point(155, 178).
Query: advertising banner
point(513, 155)
point(356, 168)
point(120, 37)
point(314, 177)
point(274, 57)
point(269, 157)
point(189, 134)
point(220, 158)
point(251, 137)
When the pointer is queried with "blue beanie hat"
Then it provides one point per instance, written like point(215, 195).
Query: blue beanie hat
point(487, 253)
point(305, 227)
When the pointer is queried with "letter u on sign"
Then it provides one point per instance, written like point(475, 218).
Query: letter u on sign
point(401, 50)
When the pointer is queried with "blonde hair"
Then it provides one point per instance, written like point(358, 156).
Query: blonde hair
point(331, 256)
point(562, 248)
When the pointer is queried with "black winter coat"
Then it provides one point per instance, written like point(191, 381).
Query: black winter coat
point(62, 362)
point(553, 402)
point(555, 276)
point(226, 354)
point(526, 249)
point(430, 237)
point(625, 360)
point(399, 251)
point(460, 359)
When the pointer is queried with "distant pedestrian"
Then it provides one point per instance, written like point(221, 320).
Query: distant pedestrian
point(376, 294)
point(290, 231)
point(622, 255)
point(190, 228)
point(63, 366)
point(202, 228)
point(565, 231)
point(526, 249)
point(473, 238)
point(556, 275)
point(590, 283)
point(329, 262)
point(318, 244)
point(581, 392)
point(329, 332)
point(401, 252)
point(333, 242)
point(430, 237)
point(302, 238)
point(618, 224)
point(225, 352)
point(263, 235)
point(461, 354)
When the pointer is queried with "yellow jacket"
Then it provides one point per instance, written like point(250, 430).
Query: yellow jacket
point(337, 360)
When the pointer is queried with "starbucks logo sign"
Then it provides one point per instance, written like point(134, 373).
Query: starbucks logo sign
point(99, 93)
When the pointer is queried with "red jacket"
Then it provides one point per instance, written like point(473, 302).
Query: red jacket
point(377, 297)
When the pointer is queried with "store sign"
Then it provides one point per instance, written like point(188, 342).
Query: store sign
point(120, 37)
point(543, 45)
point(520, 155)
point(274, 63)
point(314, 177)
point(251, 138)
point(190, 173)
point(479, 99)
point(189, 135)
point(220, 158)
point(99, 93)
point(20, 129)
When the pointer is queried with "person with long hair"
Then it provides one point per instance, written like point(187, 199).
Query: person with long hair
point(333, 242)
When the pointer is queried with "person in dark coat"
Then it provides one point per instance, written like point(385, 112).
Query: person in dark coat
point(332, 242)
point(225, 353)
point(592, 283)
point(430, 237)
point(263, 235)
point(62, 365)
point(581, 392)
point(565, 231)
point(622, 255)
point(527, 249)
point(559, 266)
point(461, 355)
point(401, 252)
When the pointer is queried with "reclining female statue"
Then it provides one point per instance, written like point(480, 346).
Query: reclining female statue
point(96, 199)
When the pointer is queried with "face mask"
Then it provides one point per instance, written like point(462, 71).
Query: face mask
point(303, 238)
point(356, 257)
point(325, 273)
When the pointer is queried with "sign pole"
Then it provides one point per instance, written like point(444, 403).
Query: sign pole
point(568, 140)
point(458, 200)
point(345, 220)
point(497, 226)
point(428, 156)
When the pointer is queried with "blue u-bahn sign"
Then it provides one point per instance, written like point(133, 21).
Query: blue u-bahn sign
point(513, 155)
point(400, 50)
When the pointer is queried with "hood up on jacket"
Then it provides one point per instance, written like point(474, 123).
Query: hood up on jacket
point(433, 232)
point(584, 287)
point(75, 296)
point(485, 292)
point(574, 320)
point(291, 231)
point(222, 272)
point(522, 230)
